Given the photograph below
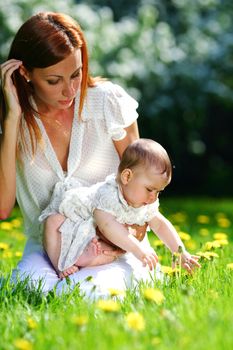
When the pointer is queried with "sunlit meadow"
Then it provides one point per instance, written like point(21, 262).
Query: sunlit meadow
point(183, 312)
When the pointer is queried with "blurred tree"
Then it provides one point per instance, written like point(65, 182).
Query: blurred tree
point(175, 57)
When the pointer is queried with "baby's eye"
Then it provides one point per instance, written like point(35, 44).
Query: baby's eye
point(149, 190)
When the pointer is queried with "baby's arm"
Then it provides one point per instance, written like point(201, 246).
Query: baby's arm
point(169, 236)
point(118, 234)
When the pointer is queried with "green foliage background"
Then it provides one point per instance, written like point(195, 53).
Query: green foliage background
point(175, 58)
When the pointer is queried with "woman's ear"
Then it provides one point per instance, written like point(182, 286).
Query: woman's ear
point(126, 176)
point(24, 72)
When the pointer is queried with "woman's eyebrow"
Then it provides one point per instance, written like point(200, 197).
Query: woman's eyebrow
point(60, 76)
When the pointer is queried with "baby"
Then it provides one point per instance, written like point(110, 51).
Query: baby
point(128, 198)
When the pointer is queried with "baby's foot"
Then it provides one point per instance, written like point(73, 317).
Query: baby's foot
point(108, 254)
point(68, 271)
point(93, 249)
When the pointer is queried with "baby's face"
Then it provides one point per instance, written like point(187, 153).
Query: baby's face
point(144, 186)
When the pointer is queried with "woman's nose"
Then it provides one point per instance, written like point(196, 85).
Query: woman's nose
point(68, 89)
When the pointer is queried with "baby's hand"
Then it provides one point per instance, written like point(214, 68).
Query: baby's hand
point(189, 262)
point(149, 258)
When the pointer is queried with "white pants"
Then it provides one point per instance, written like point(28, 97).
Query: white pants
point(121, 274)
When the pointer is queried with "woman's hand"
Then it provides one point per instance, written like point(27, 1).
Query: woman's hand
point(13, 108)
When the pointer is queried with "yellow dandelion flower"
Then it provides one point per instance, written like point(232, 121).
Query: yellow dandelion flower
point(19, 236)
point(212, 254)
point(80, 321)
point(135, 321)
point(23, 344)
point(178, 217)
point(203, 255)
point(18, 254)
point(204, 232)
point(184, 236)
point(4, 246)
point(115, 292)
point(212, 245)
point(108, 305)
point(166, 269)
point(203, 219)
point(16, 223)
point(220, 235)
point(154, 295)
point(220, 215)
point(7, 226)
point(207, 255)
point(224, 222)
point(222, 242)
point(169, 270)
point(32, 324)
point(157, 243)
point(7, 254)
point(230, 266)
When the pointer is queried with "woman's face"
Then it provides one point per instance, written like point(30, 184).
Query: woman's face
point(55, 87)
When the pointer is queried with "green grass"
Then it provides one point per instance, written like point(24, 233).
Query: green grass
point(197, 312)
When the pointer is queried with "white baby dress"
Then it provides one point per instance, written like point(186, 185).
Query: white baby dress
point(78, 205)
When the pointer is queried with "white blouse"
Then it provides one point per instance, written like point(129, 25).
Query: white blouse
point(107, 110)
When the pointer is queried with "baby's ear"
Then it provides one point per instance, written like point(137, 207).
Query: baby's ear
point(126, 176)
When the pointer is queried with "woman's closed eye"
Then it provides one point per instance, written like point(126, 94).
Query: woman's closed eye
point(76, 75)
point(53, 82)
point(56, 81)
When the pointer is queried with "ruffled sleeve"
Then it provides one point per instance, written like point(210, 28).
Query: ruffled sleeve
point(119, 111)
point(106, 197)
point(151, 211)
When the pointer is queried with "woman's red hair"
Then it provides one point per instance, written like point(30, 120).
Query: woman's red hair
point(42, 41)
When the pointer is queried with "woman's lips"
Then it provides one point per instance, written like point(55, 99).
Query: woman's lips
point(66, 102)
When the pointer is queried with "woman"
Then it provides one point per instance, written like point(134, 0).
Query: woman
point(59, 123)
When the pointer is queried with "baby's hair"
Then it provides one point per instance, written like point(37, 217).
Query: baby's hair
point(146, 153)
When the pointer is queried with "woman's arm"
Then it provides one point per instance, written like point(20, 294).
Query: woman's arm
point(132, 134)
point(8, 139)
point(120, 236)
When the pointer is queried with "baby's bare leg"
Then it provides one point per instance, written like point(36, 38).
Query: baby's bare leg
point(52, 238)
point(92, 256)
point(90, 252)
